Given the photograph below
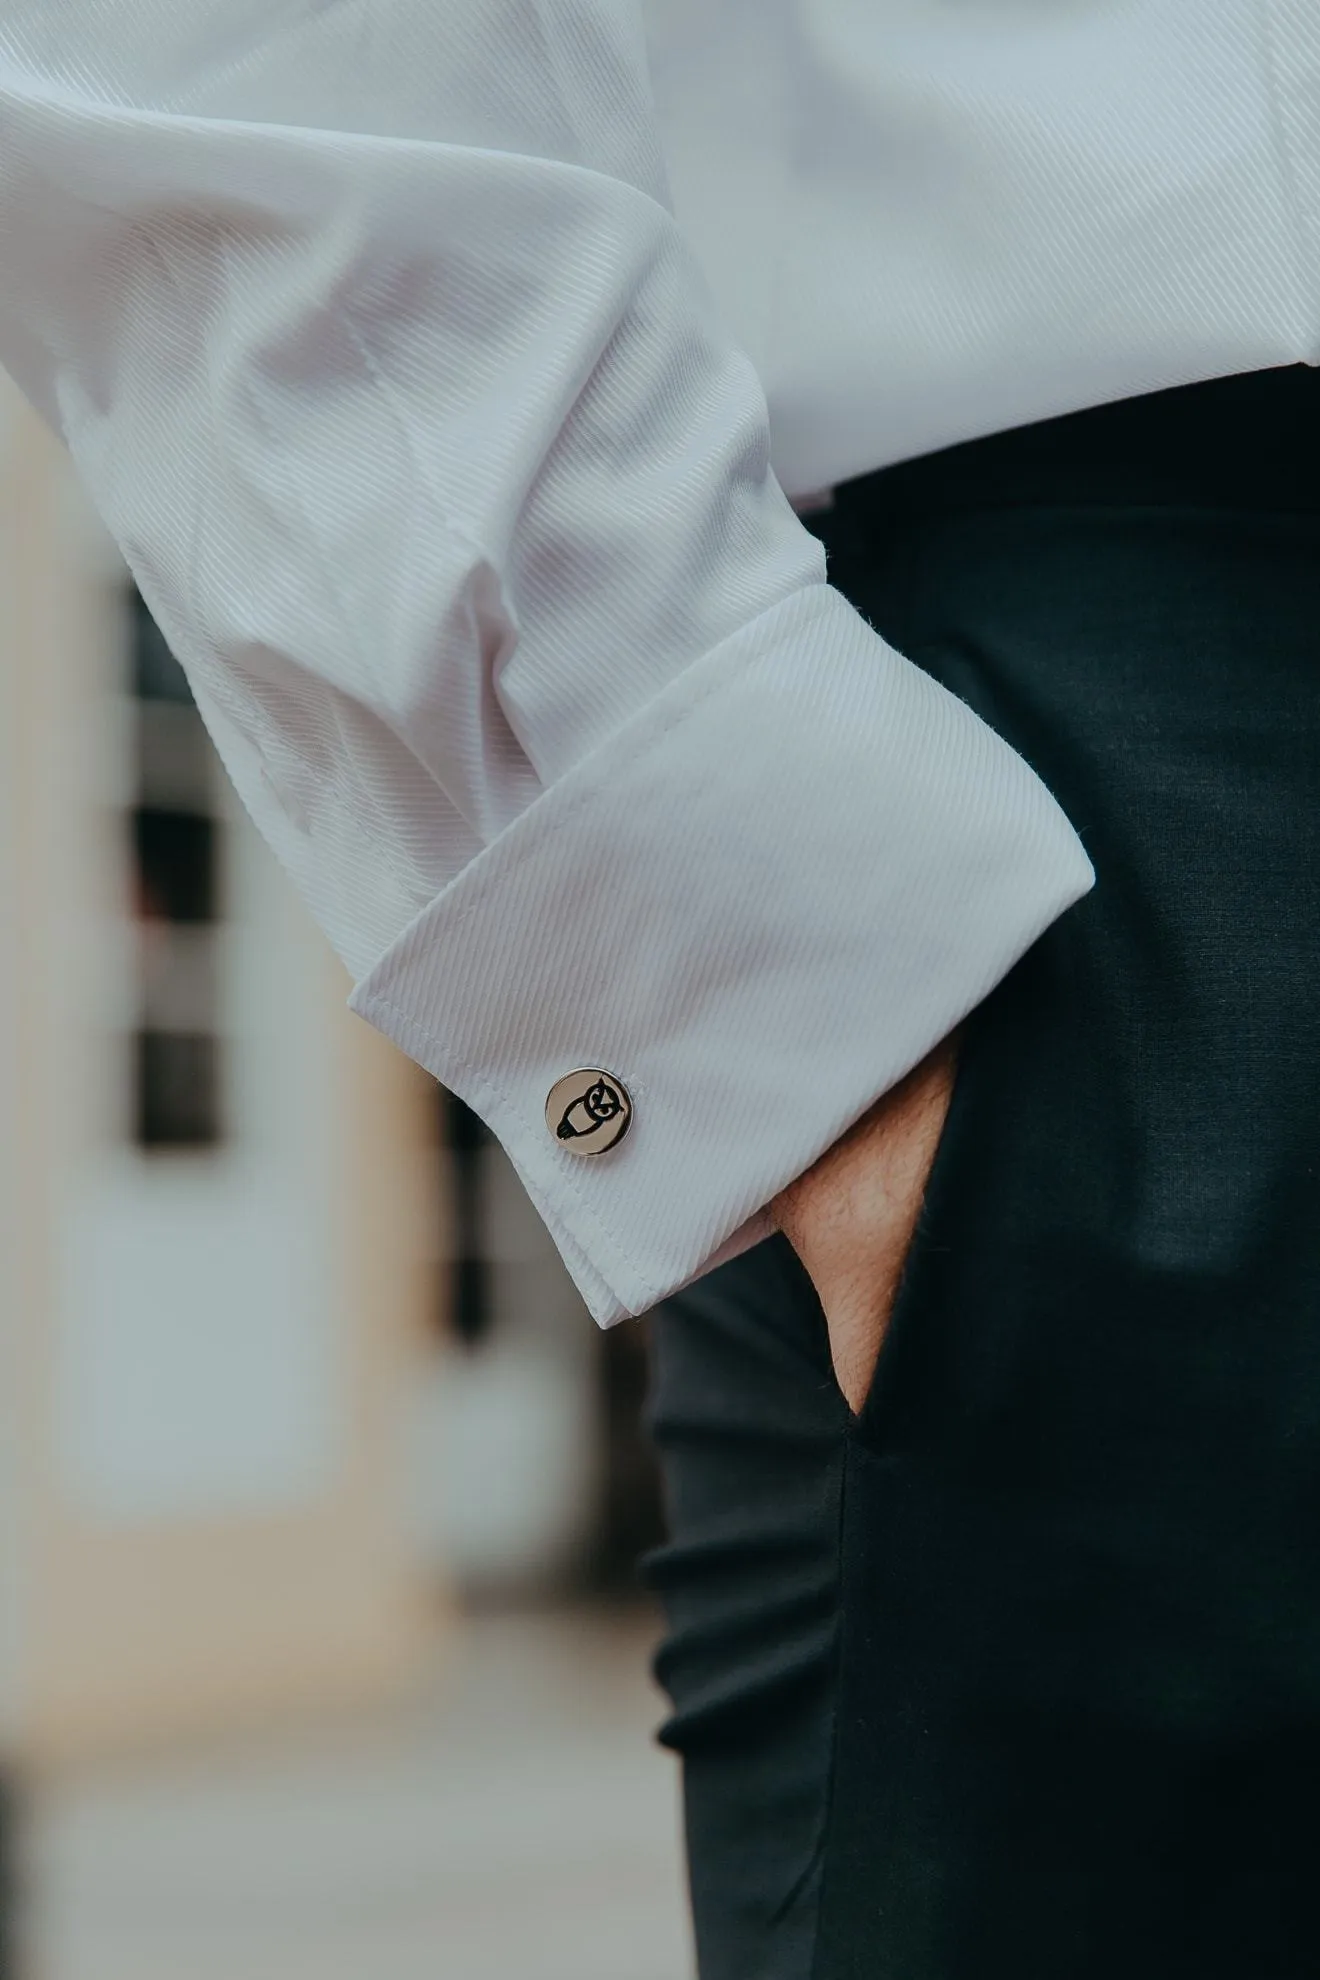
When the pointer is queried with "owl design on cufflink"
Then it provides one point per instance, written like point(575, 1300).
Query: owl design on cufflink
point(588, 1111)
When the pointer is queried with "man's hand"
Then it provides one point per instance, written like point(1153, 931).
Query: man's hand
point(851, 1216)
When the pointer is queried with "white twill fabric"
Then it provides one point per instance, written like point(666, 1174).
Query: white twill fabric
point(440, 449)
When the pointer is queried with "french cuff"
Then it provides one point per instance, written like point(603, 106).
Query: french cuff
point(752, 911)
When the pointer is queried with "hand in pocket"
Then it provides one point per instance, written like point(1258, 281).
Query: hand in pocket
point(851, 1216)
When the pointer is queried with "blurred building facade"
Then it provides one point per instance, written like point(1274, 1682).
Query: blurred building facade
point(213, 1278)
point(284, 1347)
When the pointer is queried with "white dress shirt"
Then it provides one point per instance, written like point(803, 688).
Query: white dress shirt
point(417, 354)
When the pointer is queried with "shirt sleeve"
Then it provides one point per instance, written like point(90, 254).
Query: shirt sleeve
point(375, 342)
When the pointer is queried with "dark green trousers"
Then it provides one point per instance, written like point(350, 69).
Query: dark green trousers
point(1017, 1677)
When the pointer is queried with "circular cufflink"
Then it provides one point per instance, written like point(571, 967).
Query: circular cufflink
point(588, 1111)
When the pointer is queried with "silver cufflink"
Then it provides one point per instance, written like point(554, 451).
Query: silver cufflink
point(588, 1111)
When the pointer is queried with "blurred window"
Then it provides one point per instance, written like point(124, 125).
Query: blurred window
point(177, 1082)
point(176, 847)
point(174, 864)
point(467, 1139)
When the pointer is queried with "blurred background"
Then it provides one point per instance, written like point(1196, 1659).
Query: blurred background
point(321, 1649)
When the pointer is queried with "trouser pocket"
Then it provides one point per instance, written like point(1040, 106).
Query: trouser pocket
point(966, 1142)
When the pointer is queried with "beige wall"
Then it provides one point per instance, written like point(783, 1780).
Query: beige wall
point(22, 1171)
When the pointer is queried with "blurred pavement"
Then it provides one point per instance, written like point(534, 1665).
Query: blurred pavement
point(513, 1821)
